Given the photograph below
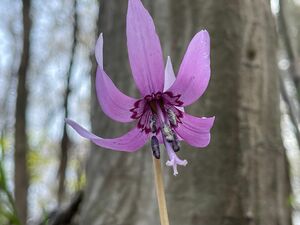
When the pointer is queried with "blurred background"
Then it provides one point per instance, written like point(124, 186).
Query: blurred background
point(250, 173)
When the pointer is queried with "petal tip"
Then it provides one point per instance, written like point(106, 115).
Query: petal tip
point(99, 50)
point(204, 32)
point(212, 121)
point(205, 144)
point(134, 3)
point(202, 36)
point(213, 118)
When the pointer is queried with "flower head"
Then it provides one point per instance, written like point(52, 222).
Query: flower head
point(159, 113)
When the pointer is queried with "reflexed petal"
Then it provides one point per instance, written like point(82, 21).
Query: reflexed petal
point(113, 102)
point(169, 75)
point(144, 50)
point(129, 142)
point(99, 51)
point(195, 130)
point(194, 71)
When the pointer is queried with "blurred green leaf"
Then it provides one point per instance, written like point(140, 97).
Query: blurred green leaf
point(3, 182)
point(8, 213)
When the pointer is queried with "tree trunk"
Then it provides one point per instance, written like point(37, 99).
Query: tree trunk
point(65, 141)
point(242, 177)
point(21, 145)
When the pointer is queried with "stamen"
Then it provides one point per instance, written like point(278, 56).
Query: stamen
point(155, 147)
point(153, 123)
point(169, 139)
point(168, 133)
point(172, 117)
point(175, 143)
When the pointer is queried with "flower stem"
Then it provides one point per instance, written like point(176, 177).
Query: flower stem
point(160, 192)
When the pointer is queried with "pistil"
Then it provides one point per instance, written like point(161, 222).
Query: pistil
point(174, 159)
point(170, 141)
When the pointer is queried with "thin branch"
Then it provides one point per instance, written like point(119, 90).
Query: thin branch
point(65, 216)
point(293, 70)
point(292, 111)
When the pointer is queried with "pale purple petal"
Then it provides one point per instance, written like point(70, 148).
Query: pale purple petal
point(99, 51)
point(113, 102)
point(169, 75)
point(129, 142)
point(195, 130)
point(194, 71)
point(144, 49)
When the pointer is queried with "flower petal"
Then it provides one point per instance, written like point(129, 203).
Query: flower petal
point(170, 78)
point(113, 102)
point(195, 130)
point(99, 51)
point(169, 74)
point(194, 71)
point(129, 142)
point(144, 49)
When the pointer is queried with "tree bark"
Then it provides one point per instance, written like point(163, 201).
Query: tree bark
point(242, 177)
point(21, 176)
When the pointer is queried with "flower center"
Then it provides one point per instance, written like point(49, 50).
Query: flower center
point(158, 114)
point(145, 110)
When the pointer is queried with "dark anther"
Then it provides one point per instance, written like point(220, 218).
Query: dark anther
point(153, 124)
point(155, 147)
point(167, 132)
point(175, 144)
point(172, 117)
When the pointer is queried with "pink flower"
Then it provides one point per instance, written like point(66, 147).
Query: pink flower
point(159, 112)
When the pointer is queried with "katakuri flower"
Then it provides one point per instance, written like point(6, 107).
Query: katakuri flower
point(159, 113)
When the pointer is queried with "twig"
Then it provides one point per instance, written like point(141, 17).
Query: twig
point(290, 105)
point(292, 73)
point(160, 192)
point(65, 216)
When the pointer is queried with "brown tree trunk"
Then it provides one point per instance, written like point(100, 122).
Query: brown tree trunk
point(65, 141)
point(242, 177)
point(21, 144)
